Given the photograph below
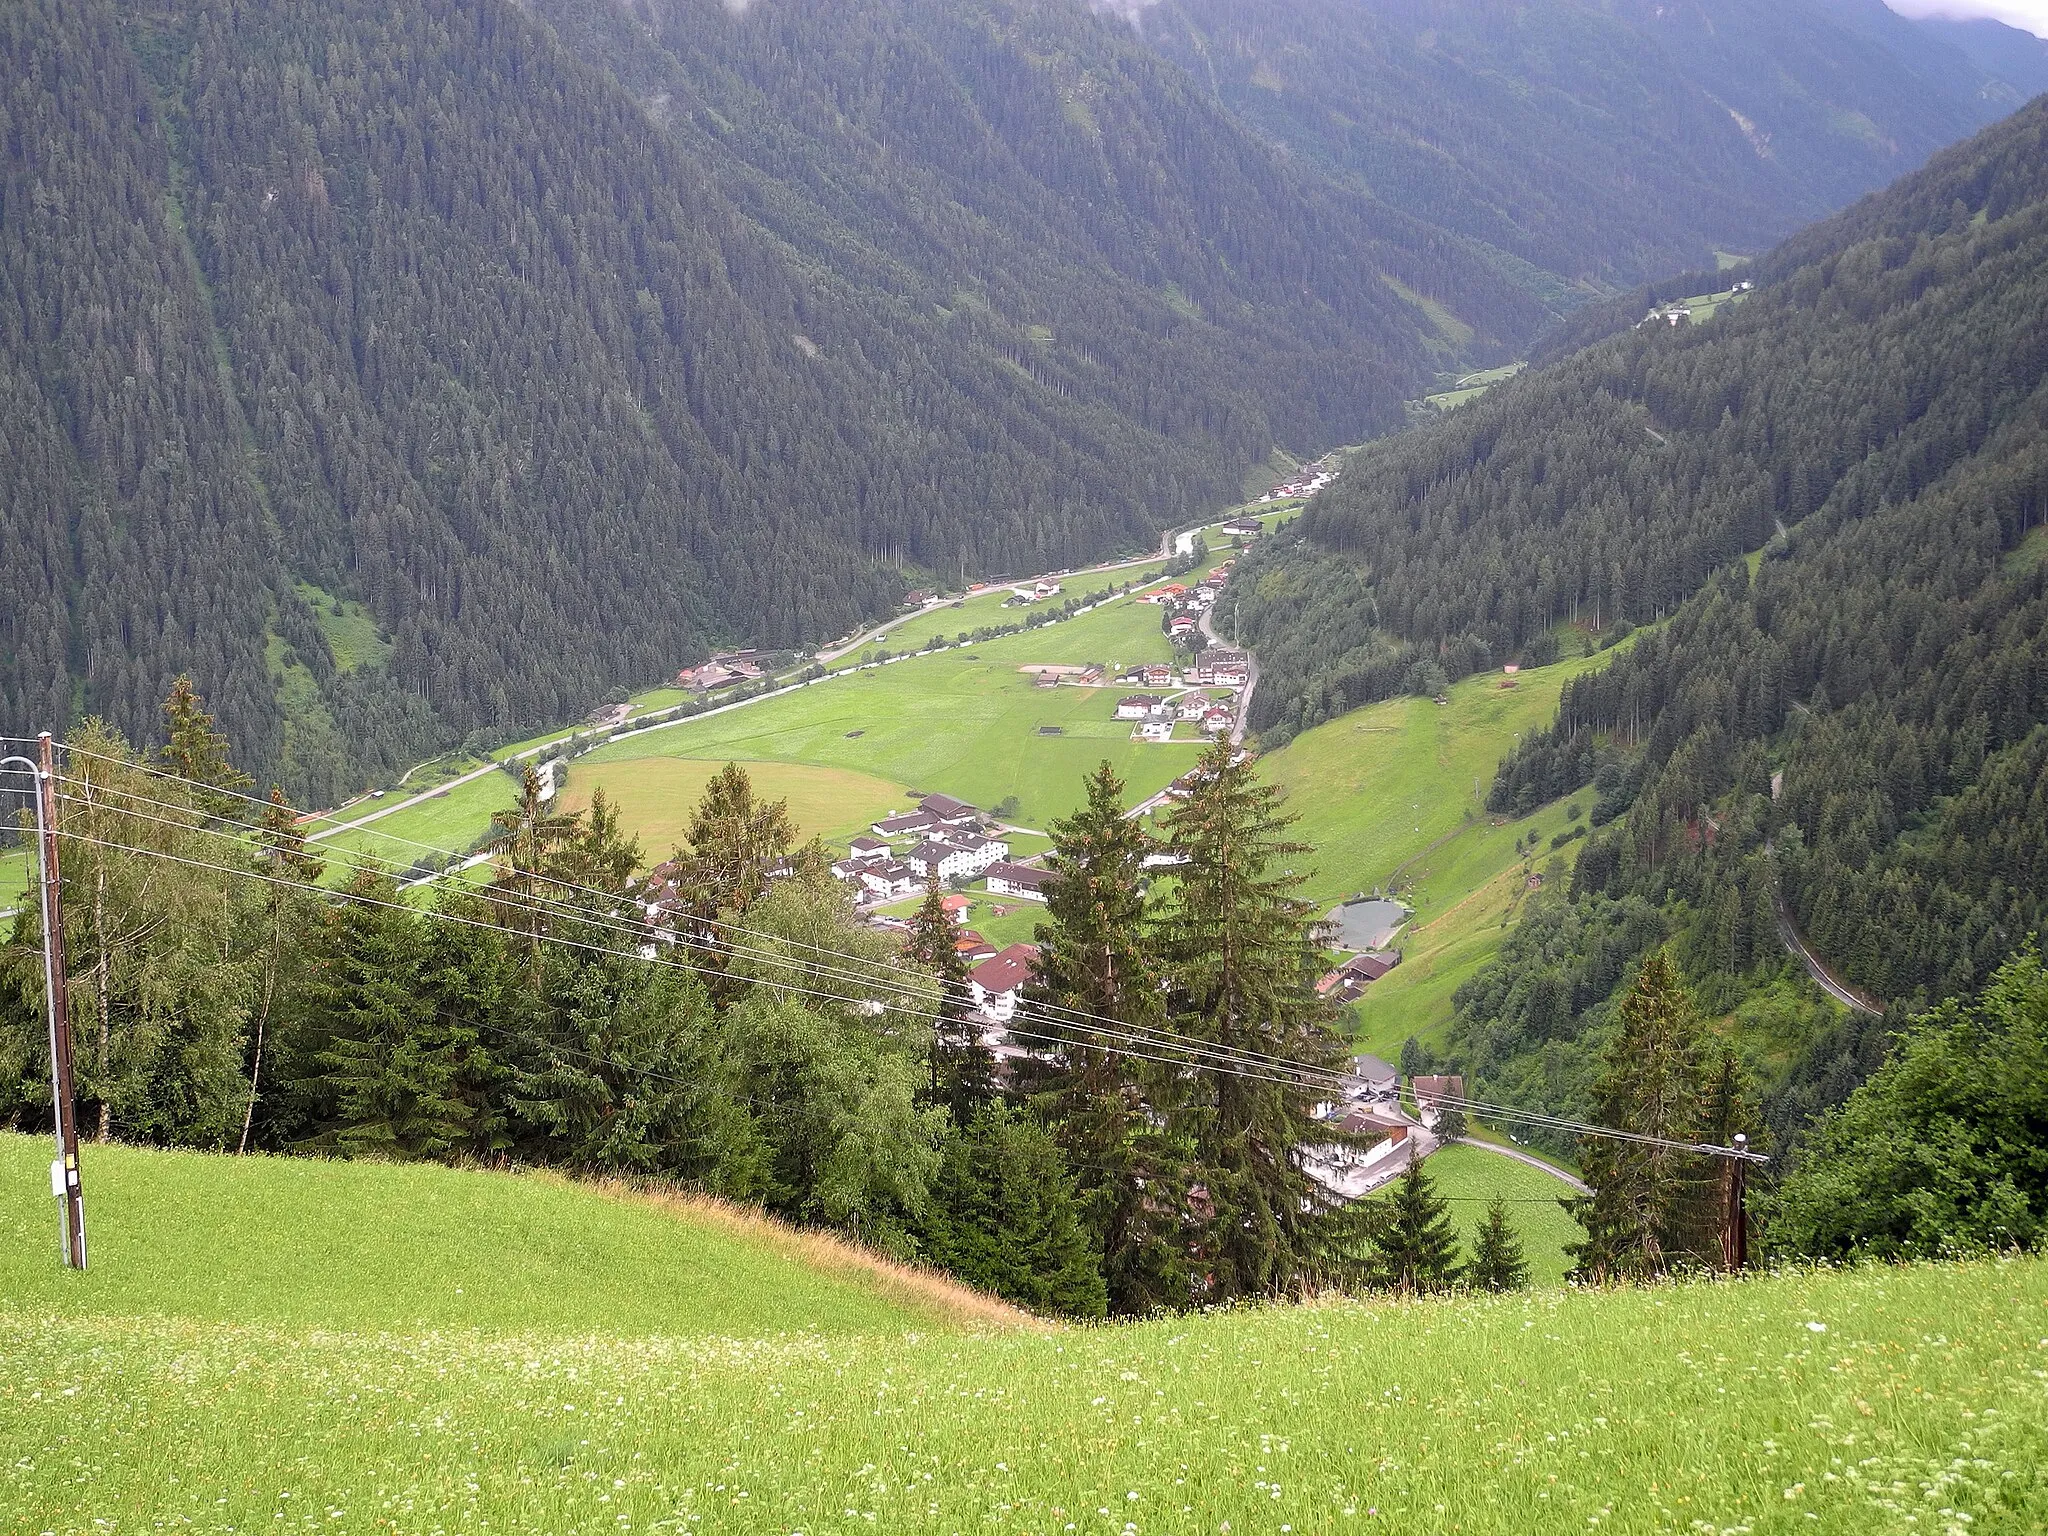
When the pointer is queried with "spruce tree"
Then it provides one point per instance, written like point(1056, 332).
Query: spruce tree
point(196, 751)
point(1116, 1115)
point(1645, 1213)
point(734, 841)
point(962, 1070)
point(390, 1068)
point(1497, 1261)
point(281, 843)
point(1241, 947)
point(1005, 1215)
point(1413, 1246)
point(526, 840)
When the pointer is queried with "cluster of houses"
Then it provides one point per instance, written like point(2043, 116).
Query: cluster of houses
point(943, 839)
point(1185, 604)
point(1380, 1136)
point(1156, 716)
point(1306, 483)
point(725, 667)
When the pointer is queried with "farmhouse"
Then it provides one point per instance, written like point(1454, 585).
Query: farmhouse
point(1007, 879)
point(1244, 528)
point(1353, 976)
point(1435, 1094)
point(868, 850)
point(908, 824)
point(1216, 721)
point(950, 812)
point(1134, 706)
point(998, 982)
point(1157, 675)
point(973, 948)
point(1373, 1078)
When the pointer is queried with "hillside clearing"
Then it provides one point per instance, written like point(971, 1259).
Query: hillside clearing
point(1470, 1177)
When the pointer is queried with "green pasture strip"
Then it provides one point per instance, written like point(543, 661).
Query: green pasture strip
point(452, 818)
point(16, 873)
point(1375, 788)
point(1836, 1403)
point(1470, 1177)
point(303, 1243)
point(1467, 895)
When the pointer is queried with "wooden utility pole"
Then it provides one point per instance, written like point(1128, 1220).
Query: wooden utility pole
point(64, 1180)
point(1734, 1211)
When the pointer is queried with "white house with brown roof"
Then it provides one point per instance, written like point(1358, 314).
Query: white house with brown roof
point(1026, 880)
point(868, 850)
point(905, 824)
point(997, 984)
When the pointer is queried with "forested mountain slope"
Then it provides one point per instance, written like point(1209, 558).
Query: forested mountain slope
point(1856, 721)
point(433, 316)
point(1596, 144)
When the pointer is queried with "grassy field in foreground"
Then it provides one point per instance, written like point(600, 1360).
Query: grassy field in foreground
point(655, 796)
point(185, 1392)
point(300, 1243)
point(1470, 1177)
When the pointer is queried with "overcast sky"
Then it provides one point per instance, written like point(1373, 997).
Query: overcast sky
point(2031, 14)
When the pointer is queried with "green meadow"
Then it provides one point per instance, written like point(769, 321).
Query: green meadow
point(1470, 1177)
point(275, 1345)
point(964, 721)
point(451, 818)
point(1393, 796)
point(16, 874)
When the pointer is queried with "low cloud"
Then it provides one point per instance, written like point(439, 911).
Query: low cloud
point(2027, 15)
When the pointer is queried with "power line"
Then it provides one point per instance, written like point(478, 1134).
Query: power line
point(1188, 1051)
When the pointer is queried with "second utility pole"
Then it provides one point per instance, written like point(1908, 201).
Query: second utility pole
point(64, 1182)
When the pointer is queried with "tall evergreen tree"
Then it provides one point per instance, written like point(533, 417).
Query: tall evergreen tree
point(196, 751)
point(1004, 1214)
point(281, 845)
point(1497, 1261)
point(1645, 1214)
point(735, 840)
point(1115, 1114)
point(1239, 944)
point(962, 1070)
point(527, 840)
point(390, 1069)
point(1412, 1244)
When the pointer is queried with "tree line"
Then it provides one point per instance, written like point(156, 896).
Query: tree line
point(235, 986)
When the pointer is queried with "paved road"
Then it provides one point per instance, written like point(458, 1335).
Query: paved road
point(1244, 694)
point(1794, 944)
point(1534, 1162)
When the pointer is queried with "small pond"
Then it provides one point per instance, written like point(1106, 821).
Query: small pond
point(1369, 924)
